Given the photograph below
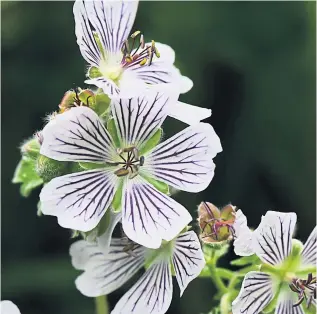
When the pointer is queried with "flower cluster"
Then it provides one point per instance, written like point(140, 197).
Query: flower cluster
point(102, 161)
point(104, 165)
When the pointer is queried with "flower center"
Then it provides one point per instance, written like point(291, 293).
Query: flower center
point(142, 54)
point(305, 289)
point(130, 162)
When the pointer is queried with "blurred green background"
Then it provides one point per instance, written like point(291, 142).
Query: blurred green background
point(252, 63)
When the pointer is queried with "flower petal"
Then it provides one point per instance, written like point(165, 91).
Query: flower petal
point(188, 259)
point(285, 303)
point(105, 239)
point(104, 273)
point(243, 236)
point(255, 294)
point(151, 294)
point(138, 118)
point(185, 160)
point(148, 216)
point(309, 250)
point(77, 135)
point(8, 307)
point(79, 200)
point(272, 240)
point(162, 70)
point(188, 114)
point(110, 20)
point(109, 87)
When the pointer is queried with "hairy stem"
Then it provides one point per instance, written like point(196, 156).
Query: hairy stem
point(102, 305)
point(215, 277)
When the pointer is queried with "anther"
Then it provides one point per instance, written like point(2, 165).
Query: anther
point(135, 34)
point(142, 41)
point(143, 61)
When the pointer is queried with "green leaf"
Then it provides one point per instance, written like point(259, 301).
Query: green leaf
point(112, 129)
point(152, 142)
point(25, 173)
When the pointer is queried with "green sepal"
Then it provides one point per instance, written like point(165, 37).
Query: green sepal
point(213, 252)
point(25, 173)
point(117, 199)
point(48, 168)
point(112, 129)
point(39, 209)
point(246, 260)
point(75, 234)
point(152, 142)
point(91, 165)
point(101, 104)
point(93, 72)
point(104, 222)
point(31, 148)
point(159, 185)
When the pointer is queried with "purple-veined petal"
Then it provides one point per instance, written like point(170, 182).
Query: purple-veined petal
point(188, 259)
point(79, 200)
point(309, 250)
point(110, 20)
point(8, 307)
point(255, 294)
point(149, 216)
point(243, 235)
point(272, 240)
point(138, 118)
point(152, 293)
point(77, 135)
point(104, 273)
point(188, 114)
point(185, 160)
point(105, 239)
point(109, 87)
point(285, 303)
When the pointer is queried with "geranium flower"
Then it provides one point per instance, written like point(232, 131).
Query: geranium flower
point(152, 293)
point(8, 307)
point(102, 30)
point(126, 170)
point(288, 273)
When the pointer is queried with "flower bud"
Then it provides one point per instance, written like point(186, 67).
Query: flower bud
point(216, 225)
point(49, 169)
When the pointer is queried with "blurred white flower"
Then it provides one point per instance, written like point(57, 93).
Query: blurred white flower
point(8, 307)
point(288, 274)
point(79, 200)
point(102, 29)
point(152, 293)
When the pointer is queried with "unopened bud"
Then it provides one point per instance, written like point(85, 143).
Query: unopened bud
point(31, 147)
point(49, 169)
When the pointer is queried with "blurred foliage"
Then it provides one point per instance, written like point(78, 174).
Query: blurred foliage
point(252, 63)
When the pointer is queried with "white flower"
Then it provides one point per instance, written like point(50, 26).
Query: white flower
point(8, 307)
point(286, 268)
point(79, 200)
point(152, 293)
point(102, 30)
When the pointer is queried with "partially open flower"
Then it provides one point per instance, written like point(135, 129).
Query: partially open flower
point(222, 225)
point(76, 98)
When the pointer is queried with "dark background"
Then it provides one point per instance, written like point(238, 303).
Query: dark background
point(252, 63)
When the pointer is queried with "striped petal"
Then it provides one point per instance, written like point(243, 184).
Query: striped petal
point(285, 303)
point(8, 307)
point(77, 135)
point(185, 160)
point(272, 240)
point(309, 250)
point(255, 294)
point(243, 235)
point(138, 118)
point(79, 200)
point(104, 273)
point(109, 87)
point(111, 21)
point(188, 259)
point(149, 216)
point(152, 294)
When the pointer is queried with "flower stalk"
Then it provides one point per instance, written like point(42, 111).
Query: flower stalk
point(102, 306)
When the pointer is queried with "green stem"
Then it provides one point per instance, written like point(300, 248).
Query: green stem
point(214, 276)
point(102, 305)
